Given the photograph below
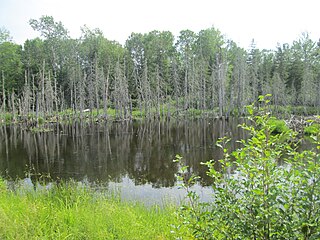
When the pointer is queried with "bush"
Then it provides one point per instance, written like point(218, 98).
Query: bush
point(41, 120)
point(6, 118)
point(277, 126)
point(195, 112)
point(312, 129)
point(264, 190)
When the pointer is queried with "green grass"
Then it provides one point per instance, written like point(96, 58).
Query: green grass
point(312, 129)
point(279, 126)
point(6, 118)
point(295, 110)
point(70, 211)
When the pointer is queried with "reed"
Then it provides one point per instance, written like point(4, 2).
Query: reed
point(72, 211)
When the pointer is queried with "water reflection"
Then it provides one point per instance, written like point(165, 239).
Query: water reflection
point(141, 151)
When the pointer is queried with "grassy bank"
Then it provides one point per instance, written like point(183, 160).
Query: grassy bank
point(69, 211)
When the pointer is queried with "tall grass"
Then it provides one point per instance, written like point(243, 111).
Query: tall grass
point(69, 211)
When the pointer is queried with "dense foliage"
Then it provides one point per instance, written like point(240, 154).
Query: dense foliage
point(266, 189)
point(199, 71)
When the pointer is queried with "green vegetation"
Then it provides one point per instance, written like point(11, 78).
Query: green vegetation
point(40, 129)
point(73, 211)
point(287, 110)
point(266, 189)
point(313, 129)
point(277, 126)
point(6, 118)
point(197, 71)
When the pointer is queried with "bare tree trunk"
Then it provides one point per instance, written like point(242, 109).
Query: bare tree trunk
point(221, 84)
point(213, 88)
point(42, 104)
point(37, 108)
point(49, 96)
point(3, 94)
point(13, 106)
point(203, 76)
point(55, 97)
point(33, 96)
point(220, 92)
point(82, 94)
point(176, 87)
point(145, 90)
point(121, 93)
point(91, 91)
point(27, 97)
point(96, 86)
point(158, 92)
point(204, 91)
point(105, 95)
point(186, 97)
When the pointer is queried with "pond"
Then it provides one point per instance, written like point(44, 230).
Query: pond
point(133, 156)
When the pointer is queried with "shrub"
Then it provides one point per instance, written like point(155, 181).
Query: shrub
point(194, 112)
point(6, 118)
point(264, 190)
point(277, 126)
point(41, 120)
point(312, 129)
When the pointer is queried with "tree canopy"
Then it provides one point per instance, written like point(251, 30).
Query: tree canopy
point(201, 71)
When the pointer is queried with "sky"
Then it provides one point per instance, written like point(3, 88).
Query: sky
point(268, 22)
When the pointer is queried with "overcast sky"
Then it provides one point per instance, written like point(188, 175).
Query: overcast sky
point(267, 21)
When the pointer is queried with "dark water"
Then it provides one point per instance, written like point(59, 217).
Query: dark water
point(136, 157)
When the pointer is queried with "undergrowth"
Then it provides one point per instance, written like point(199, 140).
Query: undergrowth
point(266, 189)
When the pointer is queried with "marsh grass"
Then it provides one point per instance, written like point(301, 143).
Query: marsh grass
point(72, 211)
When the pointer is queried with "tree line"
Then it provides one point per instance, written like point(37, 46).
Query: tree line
point(154, 73)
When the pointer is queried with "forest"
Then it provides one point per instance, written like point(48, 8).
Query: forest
point(155, 74)
point(267, 188)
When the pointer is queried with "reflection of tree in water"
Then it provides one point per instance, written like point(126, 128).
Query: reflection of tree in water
point(143, 151)
point(152, 159)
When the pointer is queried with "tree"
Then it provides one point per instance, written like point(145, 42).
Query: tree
point(221, 70)
point(33, 55)
point(120, 94)
point(211, 57)
point(56, 36)
point(54, 33)
point(238, 81)
point(11, 68)
point(254, 58)
point(159, 50)
point(5, 35)
point(308, 87)
point(200, 70)
point(186, 46)
point(136, 61)
point(278, 90)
